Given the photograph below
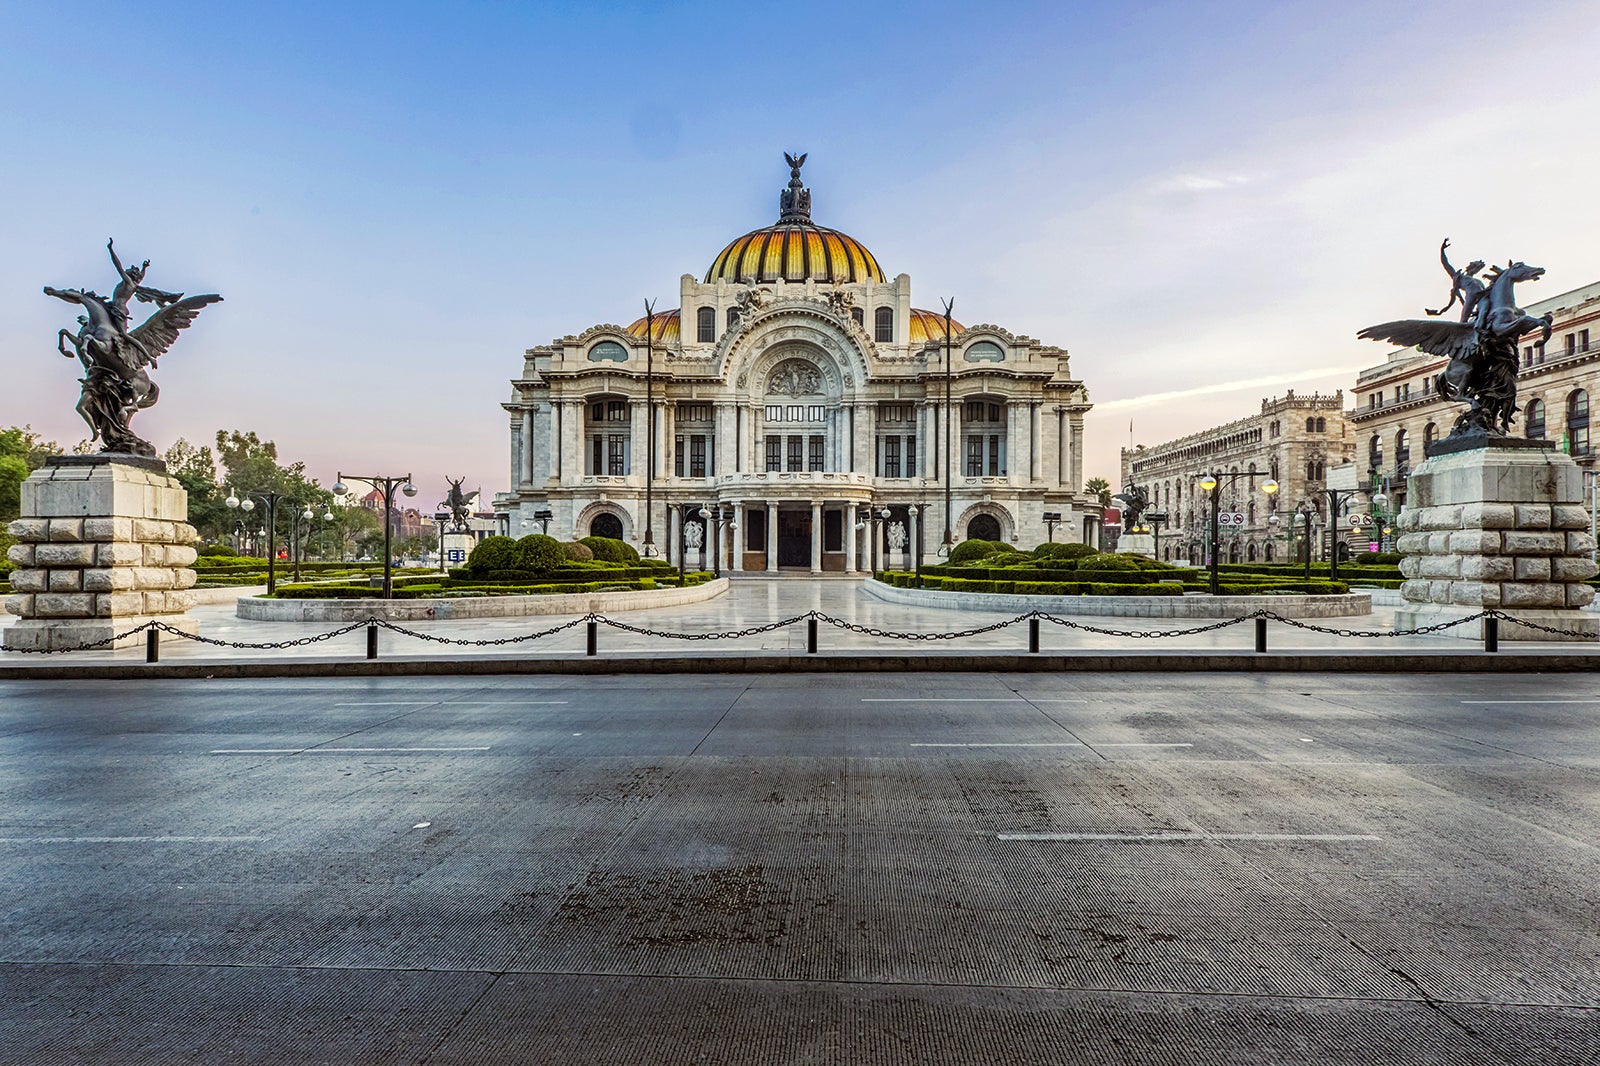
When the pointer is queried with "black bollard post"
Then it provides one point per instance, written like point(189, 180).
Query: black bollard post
point(152, 645)
point(1033, 635)
point(1261, 635)
point(1491, 633)
point(372, 640)
point(811, 636)
point(593, 628)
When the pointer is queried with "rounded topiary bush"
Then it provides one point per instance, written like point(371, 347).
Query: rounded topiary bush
point(216, 550)
point(540, 553)
point(611, 550)
point(494, 553)
point(577, 551)
point(1051, 550)
point(968, 550)
point(1107, 561)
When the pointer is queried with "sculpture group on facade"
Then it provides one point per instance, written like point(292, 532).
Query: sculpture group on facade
point(1481, 345)
point(116, 385)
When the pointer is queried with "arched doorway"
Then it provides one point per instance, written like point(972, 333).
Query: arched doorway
point(983, 527)
point(606, 525)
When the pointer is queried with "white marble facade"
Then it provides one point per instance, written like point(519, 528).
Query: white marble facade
point(796, 390)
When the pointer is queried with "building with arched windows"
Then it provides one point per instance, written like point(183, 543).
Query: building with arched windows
point(1293, 440)
point(1398, 411)
point(798, 392)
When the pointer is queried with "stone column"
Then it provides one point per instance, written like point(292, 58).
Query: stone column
point(572, 441)
point(1035, 435)
point(911, 541)
point(517, 450)
point(850, 538)
point(103, 546)
point(816, 537)
point(724, 434)
point(525, 468)
point(737, 537)
point(772, 536)
point(861, 434)
point(638, 447)
point(1500, 527)
point(557, 425)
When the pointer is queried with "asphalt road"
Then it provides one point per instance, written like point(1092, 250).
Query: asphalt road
point(802, 869)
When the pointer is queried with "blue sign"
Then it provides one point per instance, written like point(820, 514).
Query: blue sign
point(456, 555)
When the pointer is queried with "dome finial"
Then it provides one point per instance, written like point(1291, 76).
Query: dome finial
point(794, 203)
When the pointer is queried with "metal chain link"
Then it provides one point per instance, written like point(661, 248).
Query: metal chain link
point(724, 635)
point(485, 643)
point(1139, 634)
point(872, 631)
point(91, 646)
point(1436, 628)
point(298, 642)
point(1502, 616)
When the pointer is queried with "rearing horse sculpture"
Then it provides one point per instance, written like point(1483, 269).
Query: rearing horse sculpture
point(1482, 353)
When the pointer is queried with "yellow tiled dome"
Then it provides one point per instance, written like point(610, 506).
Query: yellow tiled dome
point(668, 327)
point(795, 248)
point(928, 326)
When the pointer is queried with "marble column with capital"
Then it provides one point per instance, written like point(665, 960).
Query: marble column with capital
point(736, 537)
point(772, 536)
point(816, 537)
point(849, 518)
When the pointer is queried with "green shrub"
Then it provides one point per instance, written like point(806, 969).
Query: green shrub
point(975, 549)
point(540, 553)
point(215, 550)
point(1052, 550)
point(577, 551)
point(610, 550)
point(1108, 561)
point(494, 553)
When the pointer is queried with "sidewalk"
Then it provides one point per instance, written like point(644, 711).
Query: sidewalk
point(752, 603)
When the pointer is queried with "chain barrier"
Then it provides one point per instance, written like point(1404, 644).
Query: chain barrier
point(812, 616)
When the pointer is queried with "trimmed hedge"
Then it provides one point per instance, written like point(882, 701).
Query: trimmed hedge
point(610, 550)
point(494, 553)
point(577, 552)
point(540, 553)
point(975, 549)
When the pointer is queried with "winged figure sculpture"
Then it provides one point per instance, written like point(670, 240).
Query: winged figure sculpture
point(116, 384)
point(1481, 348)
point(460, 503)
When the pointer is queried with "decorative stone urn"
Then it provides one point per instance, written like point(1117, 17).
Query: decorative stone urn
point(103, 546)
point(1499, 526)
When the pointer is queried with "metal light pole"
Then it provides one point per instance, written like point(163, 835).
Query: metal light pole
point(949, 539)
point(269, 500)
point(1212, 483)
point(386, 485)
point(1050, 520)
point(915, 510)
point(714, 543)
point(441, 517)
point(649, 427)
point(543, 518)
point(1157, 519)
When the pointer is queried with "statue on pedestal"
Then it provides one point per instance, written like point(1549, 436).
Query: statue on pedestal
point(1482, 347)
point(116, 385)
point(460, 503)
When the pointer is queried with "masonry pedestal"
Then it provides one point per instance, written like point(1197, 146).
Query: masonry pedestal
point(457, 546)
point(1137, 544)
point(103, 546)
point(1500, 525)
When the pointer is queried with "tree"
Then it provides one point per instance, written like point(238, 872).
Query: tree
point(22, 451)
point(251, 465)
point(1099, 488)
point(196, 470)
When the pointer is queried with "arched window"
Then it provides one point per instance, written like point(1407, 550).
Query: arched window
point(606, 524)
point(732, 317)
point(1252, 552)
point(883, 324)
point(1430, 433)
point(1535, 419)
point(608, 350)
point(1402, 450)
point(706, 325)
point(983, 527)
point(1375, 452)
point(1578, 423)
point(1322, 425)
point(1311, 470)
point(860, 316)
point(1311, 425)
point(984, 352)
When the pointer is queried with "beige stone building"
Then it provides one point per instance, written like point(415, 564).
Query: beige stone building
point(1398, 410)
point(1292, 440)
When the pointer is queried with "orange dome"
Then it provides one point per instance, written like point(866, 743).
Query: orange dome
point(928, 326)
point(668, 327)
point(795, 248)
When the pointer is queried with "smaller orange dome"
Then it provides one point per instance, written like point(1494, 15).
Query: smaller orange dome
point(928, 326)
point(668, 327)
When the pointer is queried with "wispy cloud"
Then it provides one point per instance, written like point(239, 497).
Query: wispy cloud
point(1204, 182)
point(1155, 399)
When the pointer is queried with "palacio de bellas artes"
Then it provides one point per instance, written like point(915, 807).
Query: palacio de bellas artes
point(795, 391)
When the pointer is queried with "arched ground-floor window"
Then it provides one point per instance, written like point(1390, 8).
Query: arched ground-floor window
point(983, 527)
point(606, 525)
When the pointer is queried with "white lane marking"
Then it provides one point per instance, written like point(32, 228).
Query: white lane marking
point(125, 840)
point(1179, 838)
point(1059, 744)
point(422, 825)
point(456, 703)
point(1487, 702)
point(939, 699)
point(324, 751)
point(1038, 699)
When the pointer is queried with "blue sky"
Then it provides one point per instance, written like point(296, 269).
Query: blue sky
point(1202, 202)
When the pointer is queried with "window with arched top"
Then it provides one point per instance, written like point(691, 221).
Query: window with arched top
point(1322, 425)
point(1578, 423)
point(1430, 433)
point(883, 325)
point(705, 325)
point(860, 316)
point(1533, 420)
point(1375, 452)
point(983, 527)
point(1402, 450)
point(1311, 425)
point(606, 524)
point(985, 352)
point(608, 350)
point(731, 318)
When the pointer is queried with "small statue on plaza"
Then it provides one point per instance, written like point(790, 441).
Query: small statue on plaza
point(1134, 503)
point(693, 535)
point(897, 536)
point(460, 503)
point(115, 384)
point(1482, 347)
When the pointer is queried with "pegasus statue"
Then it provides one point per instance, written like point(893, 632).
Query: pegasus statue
point(116, 385)
point(460, 503)
point(1481, 347)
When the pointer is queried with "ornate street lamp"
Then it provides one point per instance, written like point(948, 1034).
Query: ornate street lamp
point(650, 426)
point(1051, 519)
point(543, 518)
point(441, 517)
point(1213, 483)
point(949, 538)
point(718, 519)
point(269, 500)
point(1156, 520)
point(386, 485)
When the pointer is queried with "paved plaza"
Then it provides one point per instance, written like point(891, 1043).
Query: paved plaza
point(823, 868)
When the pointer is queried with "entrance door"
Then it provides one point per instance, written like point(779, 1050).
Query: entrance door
point(794, 538)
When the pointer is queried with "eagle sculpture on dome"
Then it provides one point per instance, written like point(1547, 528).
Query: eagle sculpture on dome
point(795, 201)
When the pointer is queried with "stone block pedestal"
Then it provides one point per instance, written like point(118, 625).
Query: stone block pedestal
point(1137, 544)
point(103, 545)
point(1502, 527)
